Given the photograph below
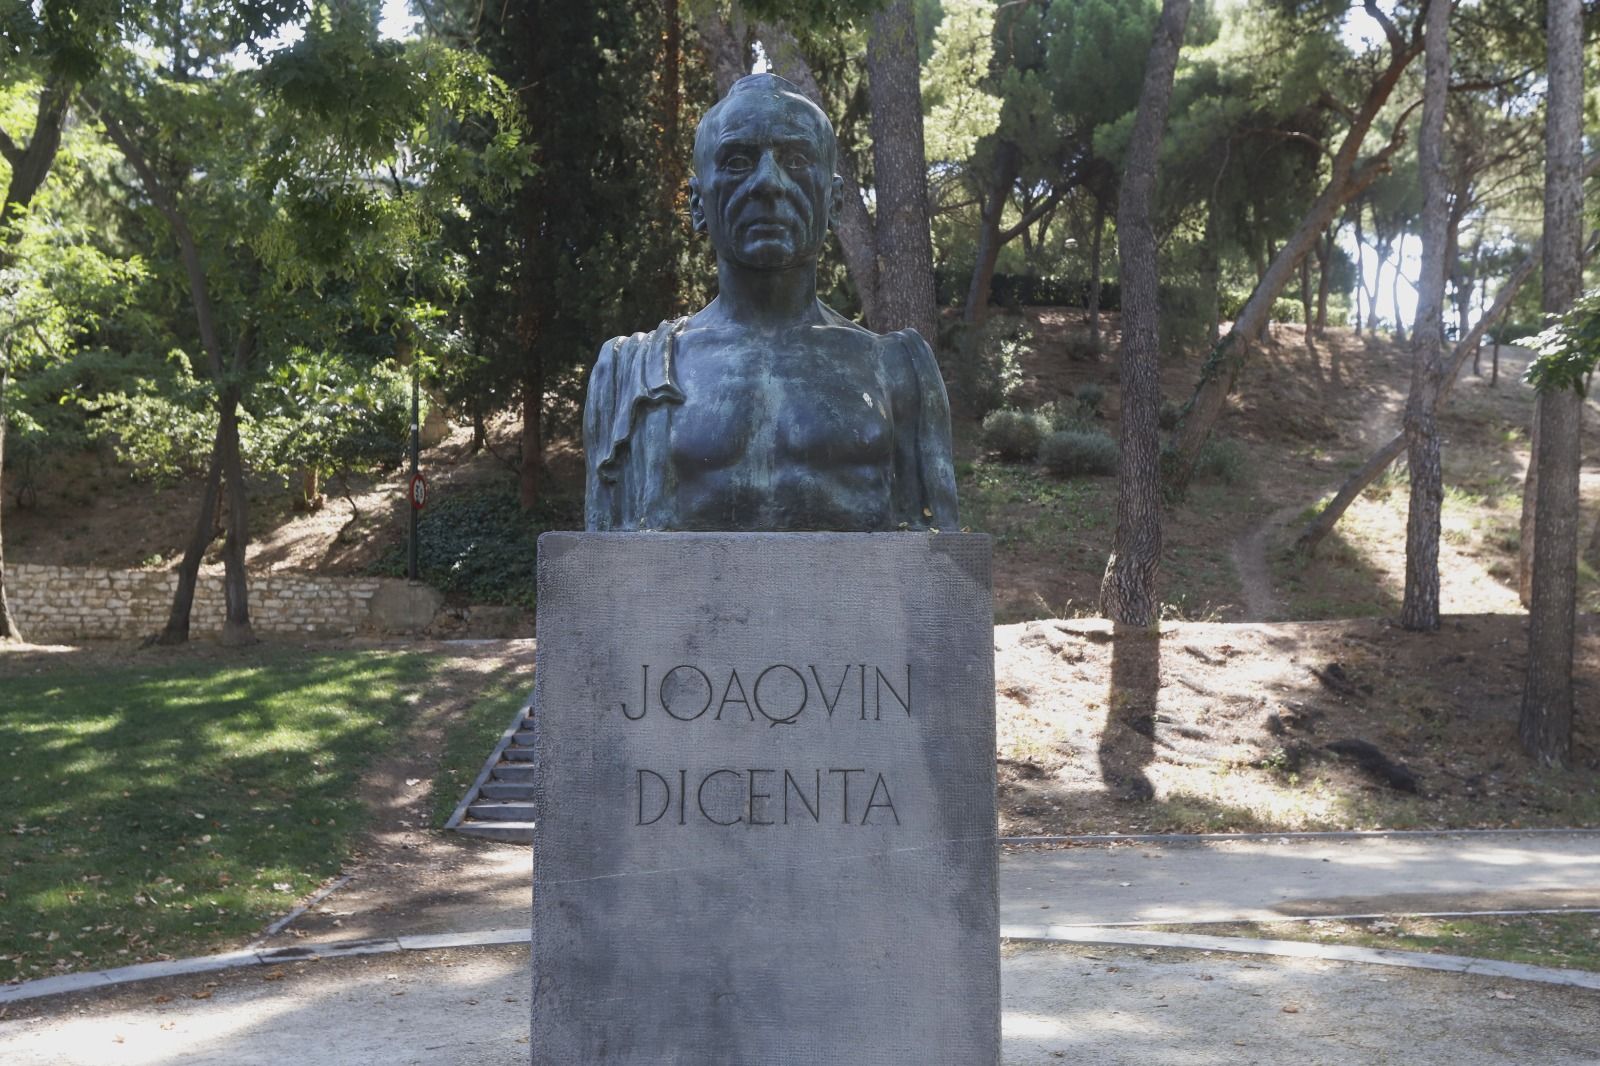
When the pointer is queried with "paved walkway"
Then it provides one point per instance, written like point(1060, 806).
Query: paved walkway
point(1264, 880)
point(1134, 1002)
point(1077, 1004)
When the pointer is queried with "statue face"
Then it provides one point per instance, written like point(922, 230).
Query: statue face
point(765, 191)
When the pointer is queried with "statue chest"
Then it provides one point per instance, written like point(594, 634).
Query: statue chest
point(764, 413)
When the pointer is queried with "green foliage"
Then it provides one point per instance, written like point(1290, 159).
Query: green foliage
point(983, 365)
point(1079, 453)
point(958, 107)
point(1221, 459)
point(1567, 350)
point(335, 416)
point(1014, 435)
point(481, 546)
point(1090, 395)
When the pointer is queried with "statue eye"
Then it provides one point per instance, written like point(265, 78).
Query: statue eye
point(737, 161)
point(796, 160)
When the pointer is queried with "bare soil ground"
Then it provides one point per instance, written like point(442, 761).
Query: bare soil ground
point(1217, 726)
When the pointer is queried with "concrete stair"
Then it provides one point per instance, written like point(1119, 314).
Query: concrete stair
point(499, 805)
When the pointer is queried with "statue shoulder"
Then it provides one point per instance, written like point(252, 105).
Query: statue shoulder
point(906, 351)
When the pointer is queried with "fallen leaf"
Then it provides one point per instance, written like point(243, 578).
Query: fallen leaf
point(1499, 994)
point(202, 994)
point(1291, 1008)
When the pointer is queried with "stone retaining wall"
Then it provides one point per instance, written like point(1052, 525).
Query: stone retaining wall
point(73, 603)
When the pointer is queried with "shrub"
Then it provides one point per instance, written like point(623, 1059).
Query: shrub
point(1221, 459)
point(1014, 435)
point(1079, 453)
point(983, 365)
point(1090, 396)
point(479, 546)
point(1171, 411)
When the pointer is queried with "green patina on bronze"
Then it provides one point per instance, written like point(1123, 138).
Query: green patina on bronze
point(767, 410)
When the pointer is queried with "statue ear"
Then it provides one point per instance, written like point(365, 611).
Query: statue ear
point(697, 214)
point(836, 202)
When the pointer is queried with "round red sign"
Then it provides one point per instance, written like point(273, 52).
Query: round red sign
point(419, 491)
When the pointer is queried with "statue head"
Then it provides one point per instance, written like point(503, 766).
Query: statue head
point(764, 189)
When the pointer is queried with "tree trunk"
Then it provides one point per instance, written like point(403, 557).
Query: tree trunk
point(205, 531)
point(236, 630)
point(1127, 592)
point(1345, 182)
point(1494, 364)
point(904, 244)
point(1006, 166)
point(1379, 261)
point(8, 623)
point(725, 40)
point(1361, 270)
point(1324, 265)
point(1394, 289)
point(1307, 316)
point(1420, 609)
point(1094, 272)
point(1211, 272)
point(1546, 719)
point(236, 624)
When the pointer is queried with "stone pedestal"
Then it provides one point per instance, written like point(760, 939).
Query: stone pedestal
point(766, 801)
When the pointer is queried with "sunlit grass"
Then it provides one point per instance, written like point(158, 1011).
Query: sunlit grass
point(152, 812)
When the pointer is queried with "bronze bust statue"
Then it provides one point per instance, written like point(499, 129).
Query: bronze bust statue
point(767, 410)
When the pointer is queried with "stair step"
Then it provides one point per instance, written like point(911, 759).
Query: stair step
point(506, 790)
point(523, 738)
point(518, 754)
point(510, 832)
point(520, 773)
point(503, 811)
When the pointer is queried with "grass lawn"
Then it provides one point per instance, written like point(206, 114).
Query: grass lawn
point(154, 811)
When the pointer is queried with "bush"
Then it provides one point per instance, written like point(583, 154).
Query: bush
point(1014, 435)
point(1079, 453)
point(983, 365)
point(1221, 459)
point(1171, 412)
point(1090, 396)
point(480, 546)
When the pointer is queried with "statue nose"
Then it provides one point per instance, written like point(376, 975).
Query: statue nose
point(768, 174)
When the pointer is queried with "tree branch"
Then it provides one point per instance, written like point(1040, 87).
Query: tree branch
point(1396, 42)
point(9, 149)
point(166, 203)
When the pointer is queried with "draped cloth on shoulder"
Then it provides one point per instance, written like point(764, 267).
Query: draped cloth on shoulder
point(631, 483)
point(626, 473)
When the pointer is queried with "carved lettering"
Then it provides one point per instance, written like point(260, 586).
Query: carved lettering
point(667, 703)
point(752, 820)
point(700, 796)
point(789, 718)
point(666, 797)
point(882, 683)
point(826, 702)
point(781, 693)
point(880, 785)
point(733, 679)
point(813, 806)
point(726, 797)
